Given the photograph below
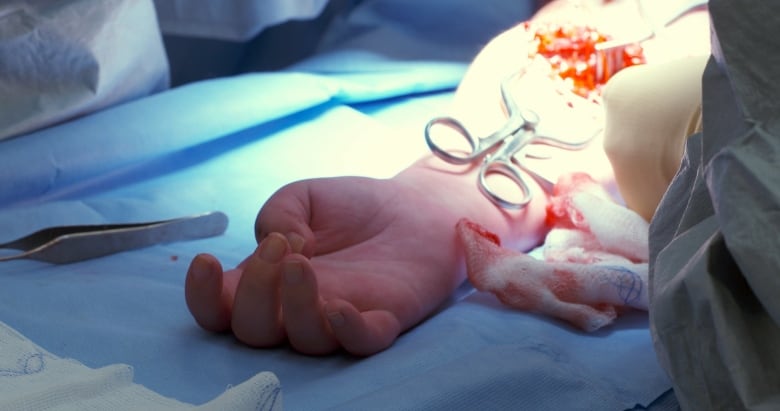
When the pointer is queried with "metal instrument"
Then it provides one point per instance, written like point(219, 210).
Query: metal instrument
point(67, 244)
point(609, 55)
point(502, 151)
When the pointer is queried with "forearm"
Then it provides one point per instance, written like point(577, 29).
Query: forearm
point(455, 194)
point(477, 104)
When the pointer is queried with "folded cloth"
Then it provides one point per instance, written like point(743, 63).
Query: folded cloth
point(237, 20)
point(33, 379)
point(595, 259)
point(61, 59)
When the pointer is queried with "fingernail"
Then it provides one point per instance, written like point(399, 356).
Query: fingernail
point(272, 249)
point(336, 319)
point(296, 242)
point(201, 270)
point(293, 272)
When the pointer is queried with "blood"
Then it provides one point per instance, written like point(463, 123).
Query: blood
point(482, 231)
point(561, 212)
point(564, 285)
point(571, 51)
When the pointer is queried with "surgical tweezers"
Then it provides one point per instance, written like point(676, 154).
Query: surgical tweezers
point(67, 244)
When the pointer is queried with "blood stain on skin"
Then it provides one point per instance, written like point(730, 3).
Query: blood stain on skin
point(482, 231)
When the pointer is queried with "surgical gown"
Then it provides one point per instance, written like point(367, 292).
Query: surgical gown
point(715, 241)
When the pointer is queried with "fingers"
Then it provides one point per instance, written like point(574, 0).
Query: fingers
point(288, 212)
point(314, 327)
point(207, 299)
point(307, 329)
point(361, 333)
point(275, 298)
point(256, 307)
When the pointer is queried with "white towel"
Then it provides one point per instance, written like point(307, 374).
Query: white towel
point(33, 379)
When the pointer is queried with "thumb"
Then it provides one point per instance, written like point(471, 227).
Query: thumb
point(288, 212)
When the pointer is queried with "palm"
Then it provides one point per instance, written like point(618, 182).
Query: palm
point(372, 242)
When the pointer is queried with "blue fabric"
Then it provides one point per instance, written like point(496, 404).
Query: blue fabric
point(227, 144)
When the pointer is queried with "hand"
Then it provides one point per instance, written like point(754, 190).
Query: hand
point(372, 257)
point(342, 262)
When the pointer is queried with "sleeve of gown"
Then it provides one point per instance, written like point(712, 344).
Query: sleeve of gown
point(714, 245)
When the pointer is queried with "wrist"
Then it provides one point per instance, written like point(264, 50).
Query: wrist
point(456, 195)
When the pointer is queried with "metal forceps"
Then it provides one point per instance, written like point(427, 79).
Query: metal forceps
point(498, 150)
point(67, 244)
